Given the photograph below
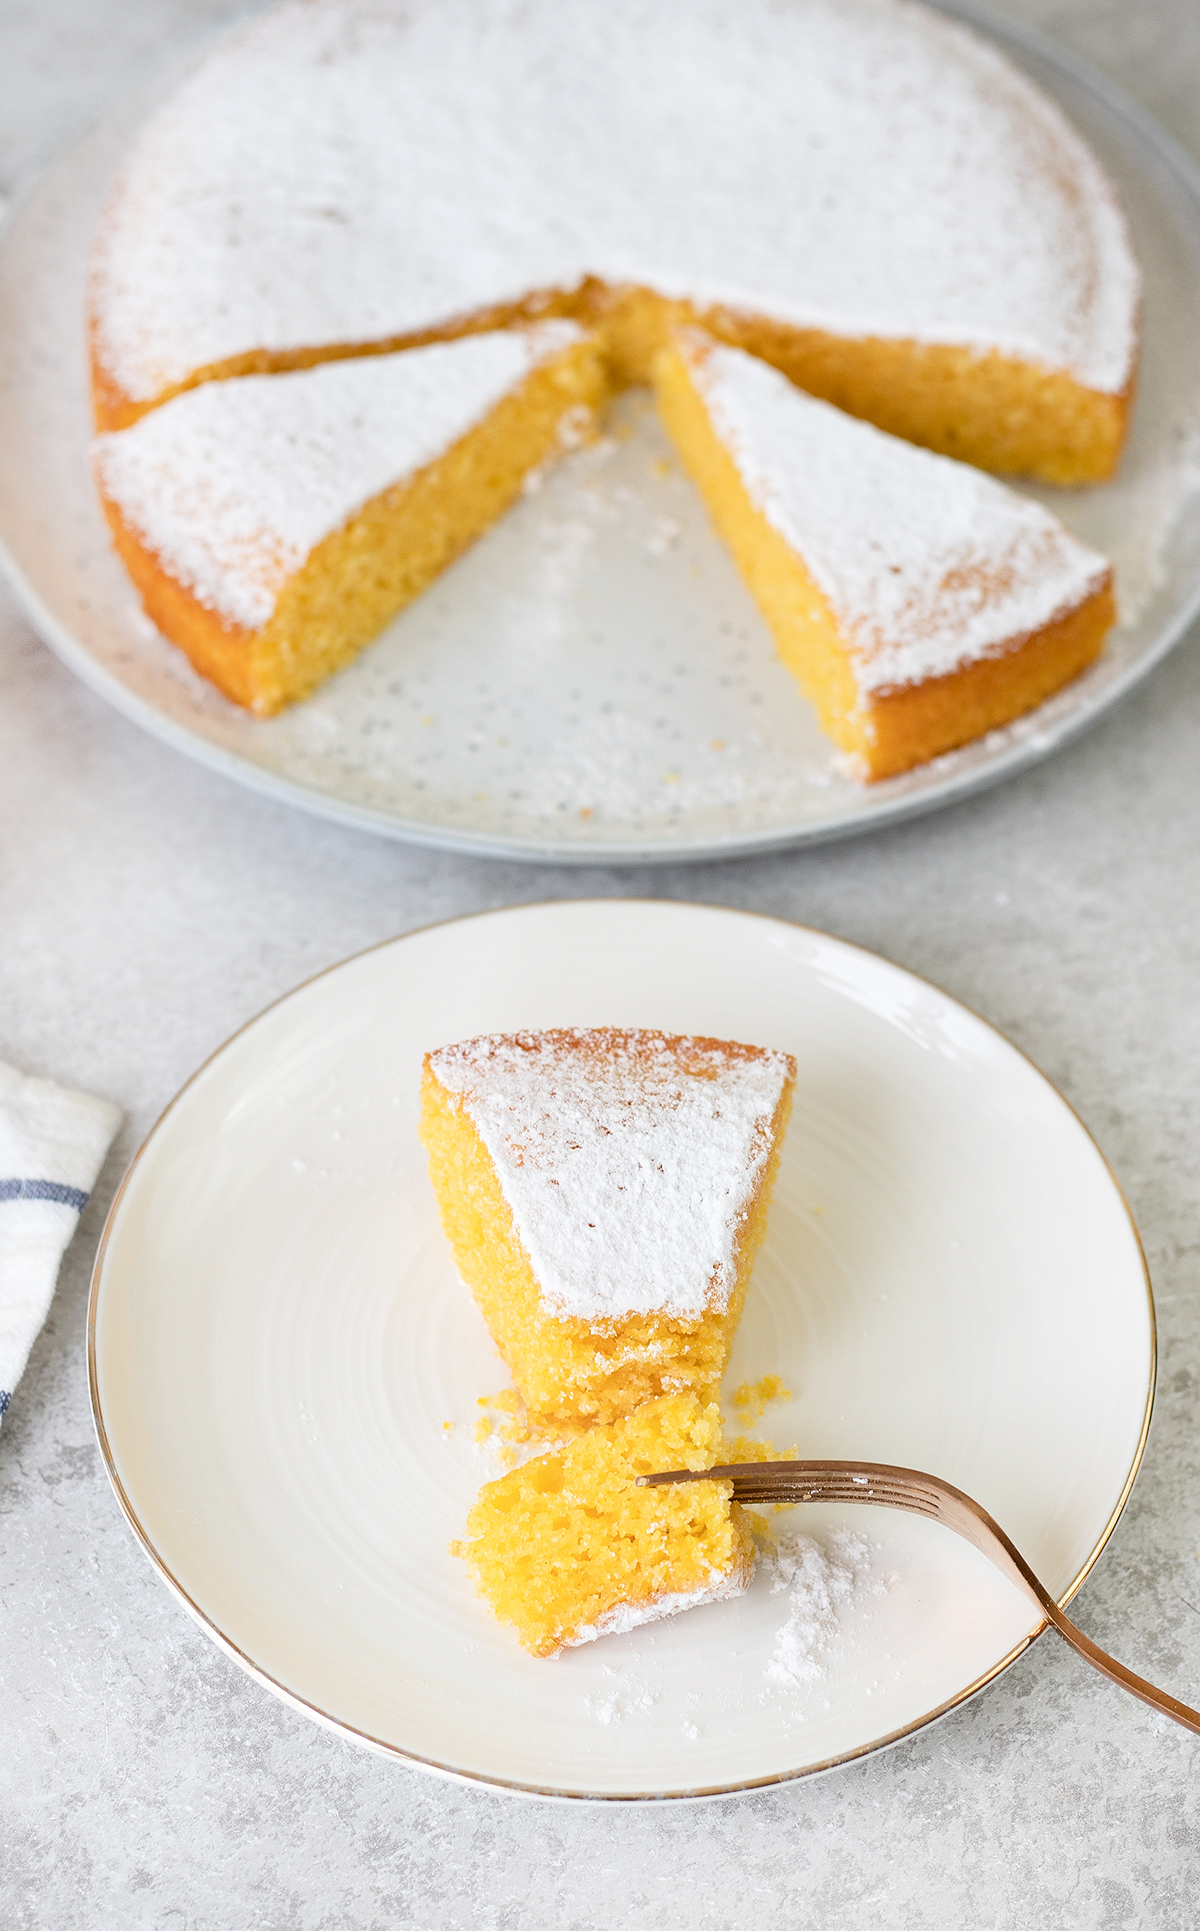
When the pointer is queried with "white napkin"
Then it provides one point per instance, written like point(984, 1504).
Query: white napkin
point(52, 1146)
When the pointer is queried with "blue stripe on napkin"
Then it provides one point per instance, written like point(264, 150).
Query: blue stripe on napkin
point(43, 1190)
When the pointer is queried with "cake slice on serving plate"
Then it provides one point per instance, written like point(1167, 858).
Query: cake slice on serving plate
point(605, 1192)
point(918, 603)
point(568, 1548)
point(275, 523)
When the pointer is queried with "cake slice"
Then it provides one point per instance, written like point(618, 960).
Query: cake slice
point(568, 1548)
point(275, 523)
point(918, 603)
point(605, 1193)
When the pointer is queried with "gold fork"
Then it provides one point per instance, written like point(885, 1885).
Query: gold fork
point(927, 1495)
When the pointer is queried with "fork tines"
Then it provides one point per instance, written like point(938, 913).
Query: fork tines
point(783, 1482)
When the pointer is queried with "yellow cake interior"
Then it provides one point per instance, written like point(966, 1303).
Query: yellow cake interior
point(894, 730)
point(997, 411)
point(357, 579)
point(572, 1374)
point(563, 1546)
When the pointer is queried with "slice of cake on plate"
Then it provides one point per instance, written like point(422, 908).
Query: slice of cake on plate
point(605, 1192)
point(918, 603)
point(568, 1548)
point(274, 524)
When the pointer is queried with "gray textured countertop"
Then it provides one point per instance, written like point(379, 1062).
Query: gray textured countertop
point(148, 908)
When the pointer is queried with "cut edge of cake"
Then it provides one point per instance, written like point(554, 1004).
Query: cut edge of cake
point(996, 174)
point(568, 1548)
point(266, 616)
point(1003, 413)
point(830, 559)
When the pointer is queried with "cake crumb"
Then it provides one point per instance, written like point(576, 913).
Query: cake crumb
point(515, 1428)
point(752, 1399)
point(504, 1438)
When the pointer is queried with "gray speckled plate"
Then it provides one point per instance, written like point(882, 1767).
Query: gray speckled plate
point(591, 682)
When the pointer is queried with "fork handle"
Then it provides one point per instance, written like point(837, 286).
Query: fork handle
point(939, 1501)
point(1108, 1666)
point(960, 1513)
point(970, 1520)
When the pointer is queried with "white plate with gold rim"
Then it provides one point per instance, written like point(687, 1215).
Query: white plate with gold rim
point(277, 1334)
point(592, 682)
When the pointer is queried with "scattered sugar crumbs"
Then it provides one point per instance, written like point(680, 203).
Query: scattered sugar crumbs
point(624, 1695)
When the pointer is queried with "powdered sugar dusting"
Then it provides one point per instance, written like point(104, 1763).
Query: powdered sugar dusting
point(233, 484)
point(346, 171)
point(927, 563)
point(822, 1583)
point(629, 1158)
point(625, 1695)
point(627, 1616)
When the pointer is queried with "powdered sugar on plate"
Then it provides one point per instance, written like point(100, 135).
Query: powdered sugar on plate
point(823, 1581)
point(828, 1585)
point(624, 1695)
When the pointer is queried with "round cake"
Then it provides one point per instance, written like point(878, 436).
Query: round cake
point(859, 191)
point(376, 262)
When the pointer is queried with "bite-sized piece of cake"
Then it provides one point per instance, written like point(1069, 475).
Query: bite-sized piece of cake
point(568, 1547)
point(863, 191)
point(918, 603)
point(605, 1192)
point(275, 524)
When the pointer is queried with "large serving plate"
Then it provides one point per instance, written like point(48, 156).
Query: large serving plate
point(277, 1336)
point(592, 682)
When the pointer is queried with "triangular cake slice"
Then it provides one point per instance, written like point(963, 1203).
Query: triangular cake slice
point(918, 603)
point(605, 1192)
point(275, 523)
